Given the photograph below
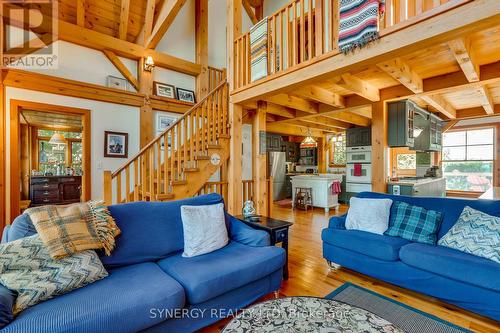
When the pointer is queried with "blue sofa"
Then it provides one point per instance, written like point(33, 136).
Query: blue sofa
point(149, 279)
point(468, 281)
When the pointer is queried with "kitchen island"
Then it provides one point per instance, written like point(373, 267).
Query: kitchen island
point(321, 186)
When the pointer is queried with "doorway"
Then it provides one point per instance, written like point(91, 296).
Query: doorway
point(50, 155)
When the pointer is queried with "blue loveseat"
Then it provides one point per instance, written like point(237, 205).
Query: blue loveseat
point(467, 281)
point(149, 279)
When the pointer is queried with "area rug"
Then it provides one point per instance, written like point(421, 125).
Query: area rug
point(284, 203)
point(401, 315)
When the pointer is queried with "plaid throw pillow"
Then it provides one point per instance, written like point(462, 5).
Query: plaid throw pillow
point(69, 229)
point(414, 223)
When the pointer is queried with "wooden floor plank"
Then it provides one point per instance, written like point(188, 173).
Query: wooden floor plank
point(310, 275)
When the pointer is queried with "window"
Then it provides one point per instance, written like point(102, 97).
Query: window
point(338, 150)
point(468, 159)
point(69, 154)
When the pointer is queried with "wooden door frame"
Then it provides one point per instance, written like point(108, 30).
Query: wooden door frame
point(16, 107)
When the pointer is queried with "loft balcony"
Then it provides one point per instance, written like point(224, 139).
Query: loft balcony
point(303, 49)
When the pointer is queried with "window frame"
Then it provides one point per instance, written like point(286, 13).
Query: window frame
point(495, 144)
point(331, 155)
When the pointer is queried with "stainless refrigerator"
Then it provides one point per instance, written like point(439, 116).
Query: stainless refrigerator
point(277, 170)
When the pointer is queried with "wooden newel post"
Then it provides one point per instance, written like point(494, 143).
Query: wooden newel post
point(108, 189)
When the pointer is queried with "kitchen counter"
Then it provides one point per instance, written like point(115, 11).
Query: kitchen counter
point(412, 181)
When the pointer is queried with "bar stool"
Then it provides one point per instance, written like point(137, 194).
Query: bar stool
point(303, 198)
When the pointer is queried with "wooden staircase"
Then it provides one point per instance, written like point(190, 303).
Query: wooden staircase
point(198, 145)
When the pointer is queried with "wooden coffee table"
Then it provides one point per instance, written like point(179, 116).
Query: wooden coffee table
point(277, 229)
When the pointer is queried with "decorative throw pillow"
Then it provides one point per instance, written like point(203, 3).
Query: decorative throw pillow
point(475, 233)
point(414, 223)
point(204, 229)
point(69, 229)
point(27, 268)
point(370, 215)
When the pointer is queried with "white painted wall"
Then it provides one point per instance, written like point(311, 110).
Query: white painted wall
point(104, 117)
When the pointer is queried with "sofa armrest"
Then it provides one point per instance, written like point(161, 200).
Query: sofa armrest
point(5, 234)
point(242, 233)
point(337, 222)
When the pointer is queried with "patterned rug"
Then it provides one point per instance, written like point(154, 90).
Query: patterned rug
point(358, 23)
point(403, 316)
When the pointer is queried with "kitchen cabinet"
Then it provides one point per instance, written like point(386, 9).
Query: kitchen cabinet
point(401, 123)
point(419, 187)
point(359, 136)
point(292, 151)
point(431, 136)
point(273, 142)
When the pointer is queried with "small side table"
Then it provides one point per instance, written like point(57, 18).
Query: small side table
point(277, 229)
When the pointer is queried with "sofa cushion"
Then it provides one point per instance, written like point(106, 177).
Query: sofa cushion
point(475, 233)
point(210, 275)
point(451, 208)
point(150, 230)
point(370, 215)
point(21, 227)
point(452, 264)
point(122, 302)
point(414, 223)
point(377, 246)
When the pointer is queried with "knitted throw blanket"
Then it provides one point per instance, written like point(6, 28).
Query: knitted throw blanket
point(358, 23)
point(69, 229)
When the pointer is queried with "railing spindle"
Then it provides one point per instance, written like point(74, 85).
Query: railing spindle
point(302, 32)
point(127, 184)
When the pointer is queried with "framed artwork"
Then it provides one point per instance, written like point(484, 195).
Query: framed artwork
point(117, 82)
point(115, 144)
point(186, 95)
point(164, 90)
point(162, 141)
point(163, 122)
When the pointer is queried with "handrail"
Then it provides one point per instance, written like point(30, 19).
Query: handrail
point(159, 137)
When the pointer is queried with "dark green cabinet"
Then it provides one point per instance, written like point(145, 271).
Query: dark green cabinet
point(273, 142)
point(359, 136)
point(401, 123)
point(430, 138)
point(292, 150)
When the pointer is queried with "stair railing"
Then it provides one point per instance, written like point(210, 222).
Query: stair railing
point(151, 173)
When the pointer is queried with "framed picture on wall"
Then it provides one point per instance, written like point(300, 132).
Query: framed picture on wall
point(164, 90)
point(163, 122)
point(185, 95)
point(115, 144)
point(162, 141)
point(117, 82)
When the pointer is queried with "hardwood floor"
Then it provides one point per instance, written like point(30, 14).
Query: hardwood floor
point(310, 275)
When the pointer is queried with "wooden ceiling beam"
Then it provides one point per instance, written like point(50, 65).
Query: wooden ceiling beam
point(123, 25)
point(448, 125)
point(321, 120)
point(476, 112)
point(290, 129)
point(465, 55)
point(280, 110)
point(402, 72)
point(294, 102)
point(358, 87)
point(312, 125)
point(122, 68)
point(487, 100)
point(80, 13)
point(441, 104)
point(147, 27)
point(171, 9)
point(250, 12)
point(321, 95)
point(349, 117)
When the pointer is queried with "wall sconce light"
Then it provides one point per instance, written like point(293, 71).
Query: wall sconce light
point(149, 64)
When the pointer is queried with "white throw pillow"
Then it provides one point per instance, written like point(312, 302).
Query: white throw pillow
point(204, 229)
point(370, 215)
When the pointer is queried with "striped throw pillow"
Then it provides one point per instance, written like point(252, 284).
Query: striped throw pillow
point(414, 223)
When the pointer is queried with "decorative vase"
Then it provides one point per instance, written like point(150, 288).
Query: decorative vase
point(248, 209)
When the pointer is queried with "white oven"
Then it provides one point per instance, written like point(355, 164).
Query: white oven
point(365, 176)
point(361, 154)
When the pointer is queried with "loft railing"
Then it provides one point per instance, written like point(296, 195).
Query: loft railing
point(307, 30)
point(215, 77)
point(165, 161)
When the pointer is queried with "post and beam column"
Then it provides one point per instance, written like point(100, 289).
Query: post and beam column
point(259, 160)
point(235, 191)
point(379, 147)
point(201, 32)
point(147, 114)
